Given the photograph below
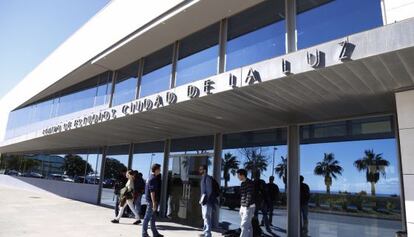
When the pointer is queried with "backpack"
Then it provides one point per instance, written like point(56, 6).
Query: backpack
point(216, 188)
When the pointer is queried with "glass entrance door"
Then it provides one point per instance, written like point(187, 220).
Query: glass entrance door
point(184, 187)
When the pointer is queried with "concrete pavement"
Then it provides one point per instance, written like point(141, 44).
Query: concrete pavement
point(26, 213)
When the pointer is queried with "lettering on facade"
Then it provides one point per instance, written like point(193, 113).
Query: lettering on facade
point(252, 77)
point(208, 86)
point(193, 92)
point(313, 59)
point(159, 102)
point(171, 98)
point(232, 80)
point(346, 50)
point(285, 67)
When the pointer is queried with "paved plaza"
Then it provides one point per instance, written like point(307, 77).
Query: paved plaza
point(26, 213)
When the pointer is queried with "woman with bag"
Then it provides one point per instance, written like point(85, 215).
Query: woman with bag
point(127, 198)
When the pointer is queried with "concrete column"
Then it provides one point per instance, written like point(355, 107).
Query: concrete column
point(293, 182)
point(130, 155)
point(164, 168)
point(101, 175)
point(405, 114)
point(218, 147)
point(111, 97)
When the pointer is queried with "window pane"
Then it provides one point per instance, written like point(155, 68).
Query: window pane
point(354, 186)
point(264, 151)
point(256, 34)
point(334, 19)
point(198, 55)
point(126, 84)
point(157, 72)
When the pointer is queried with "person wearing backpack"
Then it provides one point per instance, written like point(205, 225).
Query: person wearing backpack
point(126, 199)
point(208, 199)
point(120, 182)
point(262, 199)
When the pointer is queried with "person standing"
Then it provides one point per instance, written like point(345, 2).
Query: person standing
point(126, 199)
point(152, 194)
point(262, 200)
point(208, 199)
point(247, 203)
point(120, 182)
point(139, 189)
point(273, 191)
point(304, 203)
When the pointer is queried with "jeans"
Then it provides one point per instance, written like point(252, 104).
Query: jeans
point(116, 205)
point(129, 203)
point(304, 220)
point(246, 215)
point(207, 213)
point(137, 204)
point(263, 208)
point(271, 208)
point(149, 217)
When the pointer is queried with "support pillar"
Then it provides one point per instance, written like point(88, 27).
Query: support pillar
point(164, 169)
point(293, 182)
point(218, 147)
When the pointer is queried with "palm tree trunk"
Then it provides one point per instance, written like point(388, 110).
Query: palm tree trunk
point(328, 189)
point(373, 188)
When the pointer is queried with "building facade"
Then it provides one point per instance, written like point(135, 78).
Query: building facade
point(320, 89)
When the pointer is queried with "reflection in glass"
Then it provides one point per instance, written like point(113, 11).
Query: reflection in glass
point(157, 72)
point(258, 151)
point(198, 55)
point(256, 34)
point(354, 184)
point(322, 20)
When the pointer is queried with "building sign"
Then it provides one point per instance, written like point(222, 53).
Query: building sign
point(314, 59)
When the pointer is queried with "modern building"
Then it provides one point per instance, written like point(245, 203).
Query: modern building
point(322, 89)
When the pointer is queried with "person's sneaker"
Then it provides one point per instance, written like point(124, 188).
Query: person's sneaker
point(159, 235)
point(145, 235)
point(137, 222)
point(115, 221)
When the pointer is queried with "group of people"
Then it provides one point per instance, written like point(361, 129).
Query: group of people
point(129, 188)
point(255, 196)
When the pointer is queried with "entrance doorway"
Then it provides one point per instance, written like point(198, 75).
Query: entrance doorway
point(183, 192)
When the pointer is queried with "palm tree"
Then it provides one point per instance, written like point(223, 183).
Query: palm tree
point(328, 168)
point(229, 164)
point(374, 165)
point(255, 160)
point(281, 170)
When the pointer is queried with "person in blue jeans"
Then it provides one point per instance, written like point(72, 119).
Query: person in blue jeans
point(152, 195)
point(208, 199)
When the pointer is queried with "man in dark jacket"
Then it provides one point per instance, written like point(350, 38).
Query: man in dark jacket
point(139, 189)
point(273, 191)
point(304, 202)
point(262, 199)
point(152, 196)
point(247, 203)
point(208, 199)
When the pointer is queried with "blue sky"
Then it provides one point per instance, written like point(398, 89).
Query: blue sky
point(31, 30)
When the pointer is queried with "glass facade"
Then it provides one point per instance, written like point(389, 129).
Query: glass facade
point(91, 93)
point(74, 166)
point(351, 171)
point(263, 153)
point(198, 55)
point(157, 72)
point(256, 34)
point(125, 84)
point(324, 20)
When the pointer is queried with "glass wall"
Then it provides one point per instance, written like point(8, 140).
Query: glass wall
point(183, 193)
point(157, 72)
point(256, 34)
point(126, 84)
point(352, 174)
point(74, 166)
point(198, 55)
point(263, 152)
point(144, 156)
point(88, 94)
point(116, 161)
point(323, 20)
